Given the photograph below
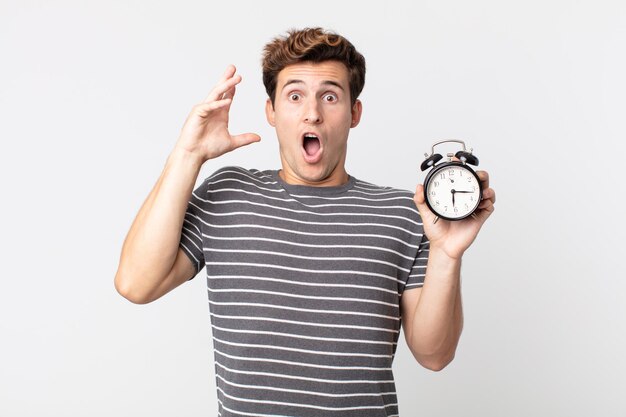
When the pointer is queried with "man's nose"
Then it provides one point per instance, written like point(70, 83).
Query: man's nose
point(312, 112)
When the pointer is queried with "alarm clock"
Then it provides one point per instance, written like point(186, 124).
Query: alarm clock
point(452, 189)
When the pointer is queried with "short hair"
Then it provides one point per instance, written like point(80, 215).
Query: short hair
point(312, 45)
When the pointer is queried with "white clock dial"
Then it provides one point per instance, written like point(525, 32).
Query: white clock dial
point(453, 192)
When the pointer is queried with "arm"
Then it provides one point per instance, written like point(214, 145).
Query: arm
point(151, 263)
point(433, 315)
point(150, 250)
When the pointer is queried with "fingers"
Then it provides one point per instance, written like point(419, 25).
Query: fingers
point(230, 93)
point(484, 178)
point(489, 199)
point(230, 70)
point(228, 73)
point(489, 194)
point(203, 109)
point(483, 214)
point(221, 90)
point(485, 204)
point(225, 87)
point(485, 208)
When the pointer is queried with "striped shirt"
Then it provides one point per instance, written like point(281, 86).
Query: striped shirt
point(304, 286)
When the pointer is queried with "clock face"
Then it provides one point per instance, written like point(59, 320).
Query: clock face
point(452, 191)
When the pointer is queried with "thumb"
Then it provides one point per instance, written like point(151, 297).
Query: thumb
point(419, 194)
point(422, 207)
point(245, 139)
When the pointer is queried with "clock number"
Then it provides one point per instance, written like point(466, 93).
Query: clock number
point(437, 202)
point(456, 210)
point(451, 173)
point(442, 175)
point(469, 179)
point(436, 184)
point(445, 208)
point(432, 192)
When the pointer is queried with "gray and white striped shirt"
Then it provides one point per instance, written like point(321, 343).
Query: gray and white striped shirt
point(304, 287)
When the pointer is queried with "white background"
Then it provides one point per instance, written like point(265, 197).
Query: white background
point(93, 96)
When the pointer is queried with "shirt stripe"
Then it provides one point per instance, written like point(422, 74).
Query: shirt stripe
point(304, 287)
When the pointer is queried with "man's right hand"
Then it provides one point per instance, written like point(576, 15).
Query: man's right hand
point(205, 132)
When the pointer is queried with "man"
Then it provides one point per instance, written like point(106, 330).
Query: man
point(310, 271)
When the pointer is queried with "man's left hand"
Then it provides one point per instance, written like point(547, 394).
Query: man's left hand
point(454, 237)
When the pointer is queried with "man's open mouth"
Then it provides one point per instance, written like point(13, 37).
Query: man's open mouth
point(311, 144)
point(312, 147)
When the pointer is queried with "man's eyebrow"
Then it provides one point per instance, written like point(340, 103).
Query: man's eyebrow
point(325, 82)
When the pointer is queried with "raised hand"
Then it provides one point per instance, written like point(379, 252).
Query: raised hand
point(205, 132)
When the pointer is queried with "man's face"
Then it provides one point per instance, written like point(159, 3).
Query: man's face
point(313, 99)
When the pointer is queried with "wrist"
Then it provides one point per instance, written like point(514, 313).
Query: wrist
point(440, 258)
point(186, 157)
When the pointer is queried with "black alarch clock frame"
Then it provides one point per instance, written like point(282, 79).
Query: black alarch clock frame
point(465, 159)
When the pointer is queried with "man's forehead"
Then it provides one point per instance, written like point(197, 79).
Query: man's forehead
point(327, 72)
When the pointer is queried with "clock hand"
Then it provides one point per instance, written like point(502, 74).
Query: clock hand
point(463, 191)
point(453, 191)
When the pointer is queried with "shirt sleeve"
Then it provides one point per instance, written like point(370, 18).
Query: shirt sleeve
point(418, 270)
point(191, 234)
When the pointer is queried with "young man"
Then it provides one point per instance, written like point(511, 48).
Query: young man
point(310, 271)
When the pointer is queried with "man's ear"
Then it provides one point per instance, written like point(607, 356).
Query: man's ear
point(357, 110)
point(269, 112)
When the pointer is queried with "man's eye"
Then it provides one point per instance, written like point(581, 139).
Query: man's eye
point(330, 97)
point(294, 96)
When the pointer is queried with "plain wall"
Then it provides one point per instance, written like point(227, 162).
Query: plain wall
point(94, 94)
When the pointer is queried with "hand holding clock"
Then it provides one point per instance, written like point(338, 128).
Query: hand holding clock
point(454, 237)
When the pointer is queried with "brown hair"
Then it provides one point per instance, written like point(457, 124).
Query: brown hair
point(315, 45)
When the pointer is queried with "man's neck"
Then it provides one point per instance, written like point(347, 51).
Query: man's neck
point(333, 180)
